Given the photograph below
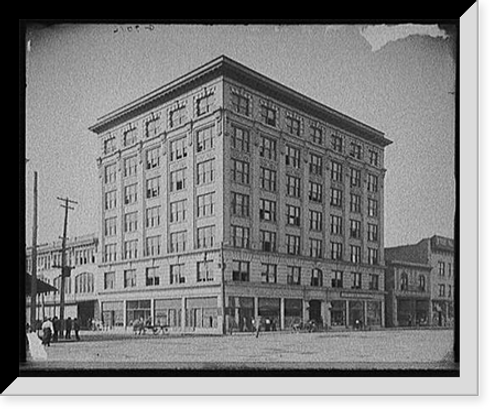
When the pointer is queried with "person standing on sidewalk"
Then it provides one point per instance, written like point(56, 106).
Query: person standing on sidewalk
point(68, 328)
point(76, 328)
point(257, 326)
point(57, 328)
point(47, 331)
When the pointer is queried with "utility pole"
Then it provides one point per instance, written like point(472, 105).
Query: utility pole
point(34, 254)
point(64, 270)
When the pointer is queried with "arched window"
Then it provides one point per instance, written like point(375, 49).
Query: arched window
point(421, 282)
point(84, 283)
point(404, 281)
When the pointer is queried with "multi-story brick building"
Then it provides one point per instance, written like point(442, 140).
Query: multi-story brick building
point(80, 294)
point(435, 255)
point(227, 191)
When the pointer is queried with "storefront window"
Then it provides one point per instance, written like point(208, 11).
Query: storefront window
point(337, 312)
point(374, 313)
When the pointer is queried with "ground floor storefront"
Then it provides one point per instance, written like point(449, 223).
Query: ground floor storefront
point(408, 310)
point(443, 313)
point(285, 308)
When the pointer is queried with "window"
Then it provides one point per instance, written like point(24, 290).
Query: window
point(336, 227)
point(293, 125)
point(337, 172)
point(337, 279)
point(355, 203)
point(240, 139)
point(130, 137)
point(355, 151)
point(205, 205)
point(130, 222)
point(110, 226)
point(240, 204)
point(356, 280)
point(316, 277)
point(442, 268)
point(130, 166)
point(178, 149)
point(421, 283)
point(109, 145)
point(449, 291)
point(268, 115)
point(152, 276)
point(337, 195)
point(240, 236)
point(269, 273)
point(110, 200)
point(177, 275)
point(110, 252)
point(110, 174)
point(403, 286)
point(292, 156)
point(315, 248)
point(153, 246)
point(315, 192)
point(153, 217)
point(372, 232)
point(293, 275)
point(152, 127)
point(153, 187)
point(355, 254)
point(268, 241)
point(355, 177)
point(293, 244)
point(205, 237)
point(109, 280)
point(130, 194)
point(268, 179)
point(337, 250)
point(316, 134)
point(373, 155)
point(373, 283)
point(315, 164)
point(177, 241)
point(337, 143)
point(177, 117)
point(293, 186)
point(372, 183)
point(355, 229)
point(205, 271)
point(240, 171)
point(129, 278)
point(130, 247)
point(241, 104)
point(372, 208)
point(315, 220)
point(268, 210)
point(241, 271)
point(442, 290)
point(268, 148)
point(204, 104)
point(293, 215)
point(450, 270)
point(178, 180)
point(178, 211)
point(205, 139)
point(205, 172)
point(153, 158)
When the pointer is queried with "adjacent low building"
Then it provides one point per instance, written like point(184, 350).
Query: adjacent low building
point(420, 283)
point(80, 294)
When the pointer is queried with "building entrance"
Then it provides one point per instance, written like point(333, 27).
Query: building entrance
point(315, 311)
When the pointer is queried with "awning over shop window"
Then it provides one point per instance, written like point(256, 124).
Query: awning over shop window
point(41, 286)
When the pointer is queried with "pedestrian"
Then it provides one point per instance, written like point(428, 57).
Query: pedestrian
point(68, 328)
point(47, 331)
point(57, 328)
point(256, 325)
point(76, 328)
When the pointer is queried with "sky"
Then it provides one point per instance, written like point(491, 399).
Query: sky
point(399, 80)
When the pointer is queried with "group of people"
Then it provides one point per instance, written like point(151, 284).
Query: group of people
point(53, 328)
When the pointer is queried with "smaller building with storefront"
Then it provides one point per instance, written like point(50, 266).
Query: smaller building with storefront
point(420, 283)
point(408, 295)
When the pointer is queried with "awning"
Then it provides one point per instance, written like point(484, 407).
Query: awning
point(41, 286)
